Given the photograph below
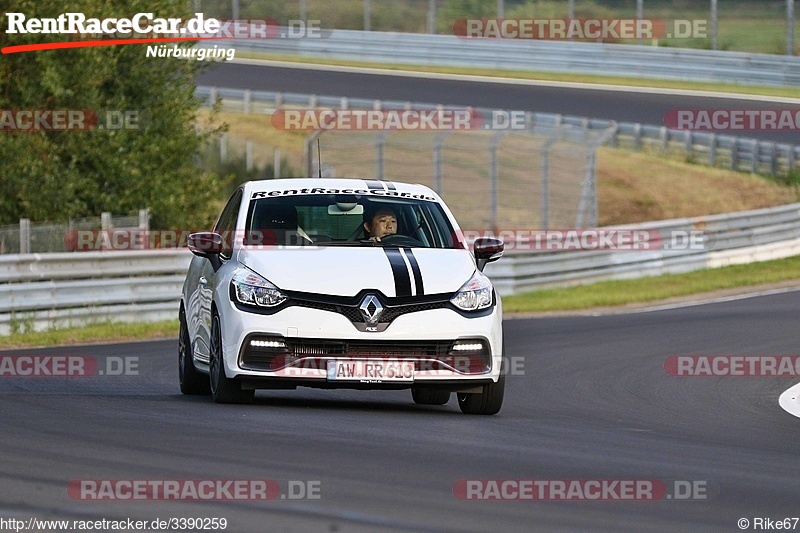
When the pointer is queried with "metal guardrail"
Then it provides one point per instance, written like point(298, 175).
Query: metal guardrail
point(539, 55)
point(733, 238)
point(736, 153)
point(45, 290)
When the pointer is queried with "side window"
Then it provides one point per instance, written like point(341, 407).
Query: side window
point(226, 225)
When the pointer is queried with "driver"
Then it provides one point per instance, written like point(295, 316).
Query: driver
point(382, 224)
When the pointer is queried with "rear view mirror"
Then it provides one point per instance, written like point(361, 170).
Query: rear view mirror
point(345, 209)
point(208, 245)
point(487, 250)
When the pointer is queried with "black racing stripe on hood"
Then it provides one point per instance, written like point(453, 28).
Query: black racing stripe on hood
point(402, 278)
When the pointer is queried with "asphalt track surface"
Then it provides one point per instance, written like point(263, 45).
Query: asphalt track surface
point(646, 108)
point(591, 401)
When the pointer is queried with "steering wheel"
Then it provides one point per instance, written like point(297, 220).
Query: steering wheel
point(396, 238)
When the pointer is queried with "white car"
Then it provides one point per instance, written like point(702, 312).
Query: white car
point(291, 289)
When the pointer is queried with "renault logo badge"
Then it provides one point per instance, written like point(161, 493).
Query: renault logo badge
point(371, 309)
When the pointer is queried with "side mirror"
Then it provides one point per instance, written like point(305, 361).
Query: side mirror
point(208, 245)
point(487, 250)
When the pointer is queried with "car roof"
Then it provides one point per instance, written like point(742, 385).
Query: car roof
point(338, 185)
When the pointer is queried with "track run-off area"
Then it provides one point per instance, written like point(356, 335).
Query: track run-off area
point(587, 398)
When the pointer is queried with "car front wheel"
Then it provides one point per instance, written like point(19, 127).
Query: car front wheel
point(192, 382)
point(223, 388)
point(487, 402)
point(430, 396)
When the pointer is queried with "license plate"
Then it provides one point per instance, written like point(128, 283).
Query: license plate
point(370, 371)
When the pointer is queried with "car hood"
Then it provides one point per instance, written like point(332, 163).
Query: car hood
point(347, 270)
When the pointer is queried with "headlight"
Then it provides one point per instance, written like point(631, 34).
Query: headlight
point(475, 294)
point(252, 289)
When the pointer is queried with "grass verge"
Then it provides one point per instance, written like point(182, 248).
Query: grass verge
point(651, 289)
point(103, 332)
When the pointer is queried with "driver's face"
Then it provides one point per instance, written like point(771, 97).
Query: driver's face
point(382, 224)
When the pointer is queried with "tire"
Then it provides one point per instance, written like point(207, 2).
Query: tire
point(191, 381)
point(430, 396)
point(487, 402)
point(223, 388)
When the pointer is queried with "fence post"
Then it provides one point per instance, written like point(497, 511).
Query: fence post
point(588, 195)
point(249, 154)
point(545, 218)
point(24, 235)
point(246, 101)
point(367, 16)
point(144, 228)
point(105, 221)
point(612, 142)
point(790, 158)
point(756, 154)
point(545, 170)
point(223, 147)
point(714, 24)
point(735, 154)
point(276, 163)
point(494, 178)
point(144, 219)
point(789, 27)
point(212, 96)
point(431, 17)
point(438, 162)
point(308, 163)
point(689, 143)
point(664, 136)
point(773, 156)
point(637, 136)
point(380, 140)
point(712, 150)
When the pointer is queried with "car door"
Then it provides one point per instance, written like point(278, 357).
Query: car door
point(226, 226)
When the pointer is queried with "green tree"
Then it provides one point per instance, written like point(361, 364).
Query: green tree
point(58, 174)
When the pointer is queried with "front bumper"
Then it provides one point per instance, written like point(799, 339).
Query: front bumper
point(424, 337)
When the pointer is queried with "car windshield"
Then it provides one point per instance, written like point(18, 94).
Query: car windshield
point(340, 220)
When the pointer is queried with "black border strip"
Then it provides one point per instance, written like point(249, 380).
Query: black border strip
point(402, 277)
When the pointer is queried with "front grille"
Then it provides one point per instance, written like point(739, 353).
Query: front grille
point(314, 353)
point(353, 313)
point(373, 348)
point(350, 312)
